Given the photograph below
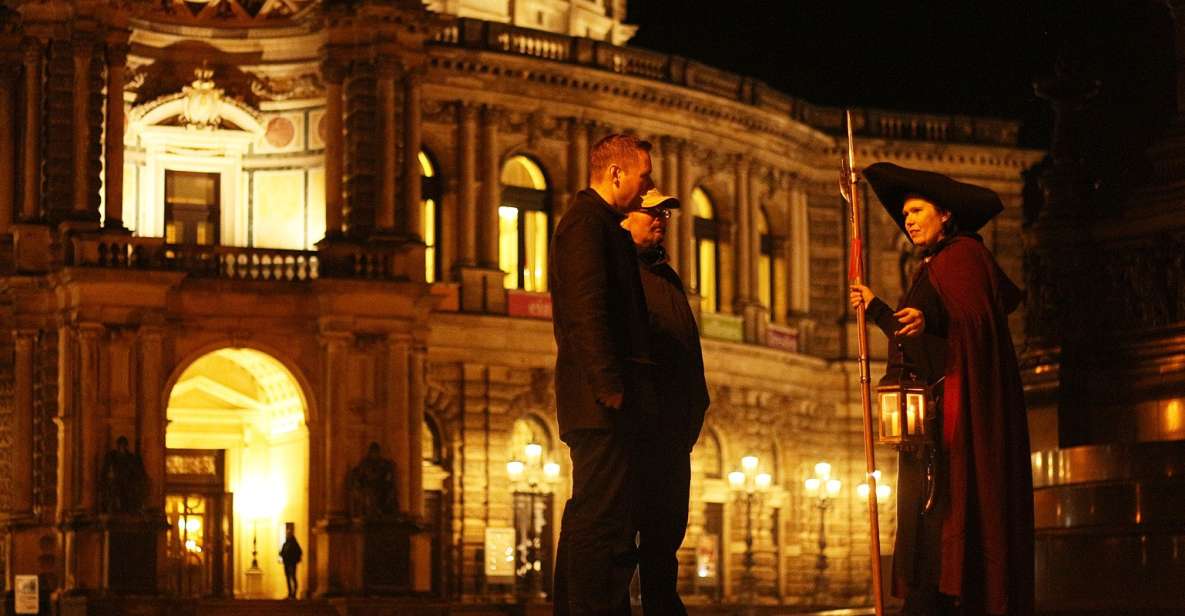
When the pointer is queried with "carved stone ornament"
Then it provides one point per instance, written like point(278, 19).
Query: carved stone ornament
point(202, 101)
point(285, 88)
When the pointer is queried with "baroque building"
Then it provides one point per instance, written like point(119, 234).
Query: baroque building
point(242, 242)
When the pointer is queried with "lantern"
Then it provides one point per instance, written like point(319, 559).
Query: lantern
point(904, 402)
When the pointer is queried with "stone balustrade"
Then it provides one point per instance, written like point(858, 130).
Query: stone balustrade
point(504, 38)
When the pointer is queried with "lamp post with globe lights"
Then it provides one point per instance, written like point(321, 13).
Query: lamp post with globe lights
point(823, 488)
point(532, 476)
point(749, 487)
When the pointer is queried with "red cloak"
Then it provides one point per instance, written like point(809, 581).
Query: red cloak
point(987, 534)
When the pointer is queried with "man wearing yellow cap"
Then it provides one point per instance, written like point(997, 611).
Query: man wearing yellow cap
point(664, 467)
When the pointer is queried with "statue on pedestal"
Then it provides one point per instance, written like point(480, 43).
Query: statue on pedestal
point(371, 486)
point(123, 483)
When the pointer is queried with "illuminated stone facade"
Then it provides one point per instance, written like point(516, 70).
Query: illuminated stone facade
point(238, 207)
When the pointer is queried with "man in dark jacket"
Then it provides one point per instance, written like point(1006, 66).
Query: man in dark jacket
point(290, 554)
point(664, 458)
point(603, 381)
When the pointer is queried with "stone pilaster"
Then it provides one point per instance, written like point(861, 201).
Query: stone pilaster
point(467, 184)
point(413, 224)
point(117, 58)
point(668, 182)
point(337, 565)
point(726, 266)
point(83, 50)
point(781, 288)
point(31, 143)
point(744, 246)
point(334, 74)
point(491, 189)
point(8, 122)
point(361, 116)
point(386, 71)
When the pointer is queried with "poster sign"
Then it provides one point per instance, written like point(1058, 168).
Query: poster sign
point(528, 305)
point(705, 557)
point(26, 595)
point(500, 560)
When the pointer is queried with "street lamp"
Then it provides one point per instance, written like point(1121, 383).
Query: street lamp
point(882, 489)
point(823, 488)
point(749, 487)
point(533, 477)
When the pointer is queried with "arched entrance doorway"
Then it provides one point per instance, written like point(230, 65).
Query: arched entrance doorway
point(236, 474)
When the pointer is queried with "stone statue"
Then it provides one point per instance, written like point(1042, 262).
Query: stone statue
point(123, 483)
point(371, 486)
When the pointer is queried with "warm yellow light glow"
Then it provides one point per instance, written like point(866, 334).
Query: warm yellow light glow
point(883, 491)
point(749, 463)
point(736, 479)
point(765, 283)
point(508, 245)
point(514, 469)
point(193, 524)
point(833, 487)
point(707, 274)
point(551, 470)
point(701, 205)
point(534, 262)
point(428, 218)
point(823, 471)
point(862, 491)
point(533, 451)
point(278, 209)
point(426, 165)
point(763, 481)
point(1173, 418)
point(812, 486)
point(192, 546)
point(522, 172)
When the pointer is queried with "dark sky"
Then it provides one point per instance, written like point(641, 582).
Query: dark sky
point(954, 56)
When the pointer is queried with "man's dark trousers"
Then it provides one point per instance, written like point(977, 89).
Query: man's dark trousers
point(596, 556)
point(663, 477)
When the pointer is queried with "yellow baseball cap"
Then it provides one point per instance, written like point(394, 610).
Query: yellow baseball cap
point(655, 198)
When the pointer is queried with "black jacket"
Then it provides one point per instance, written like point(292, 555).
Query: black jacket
point(679, 362)
point(599, 315)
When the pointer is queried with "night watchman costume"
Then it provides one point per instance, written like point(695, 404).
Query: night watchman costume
point(976, 544)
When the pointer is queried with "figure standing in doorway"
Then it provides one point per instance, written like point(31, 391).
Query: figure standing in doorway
point(290, 554)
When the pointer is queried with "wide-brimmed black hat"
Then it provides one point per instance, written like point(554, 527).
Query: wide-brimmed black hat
point(972, 206)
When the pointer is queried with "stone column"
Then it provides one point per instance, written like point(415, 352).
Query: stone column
point(31, 147)
point(117, 59)
point(83, 49)
point(415, 450)
point(781, 290)
point(491, 190)
point(152, 419)
point(686, 229)
point(467, 183)
point(334, 74)
point(91, 424)
point(7, 146)
point(397, 419)
point(412, 216)
point(578, 151)
point(337, 451)
point(69, 464)
point(388, 154)
point(669, 184)
point(21, 500)
point(798, 253)
point(744, 247)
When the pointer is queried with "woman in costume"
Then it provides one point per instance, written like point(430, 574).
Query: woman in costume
point(964, 540)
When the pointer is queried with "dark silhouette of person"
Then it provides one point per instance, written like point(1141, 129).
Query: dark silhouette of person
point(290, 554)
point(122, 480)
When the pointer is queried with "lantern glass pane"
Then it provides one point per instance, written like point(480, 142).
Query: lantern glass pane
point(914, 403)
point(890, 415)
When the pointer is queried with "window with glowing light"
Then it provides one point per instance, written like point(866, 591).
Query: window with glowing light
point(524, 225)
point(430, 217)
point(766, 282)
point(707, 250)
point(191, 207)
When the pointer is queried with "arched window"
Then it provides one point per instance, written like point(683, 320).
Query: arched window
point(429, 216)
point(707, 249)
point(766, 281)
point(523, 225)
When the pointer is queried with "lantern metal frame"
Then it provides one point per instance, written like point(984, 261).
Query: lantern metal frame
point(905, 409)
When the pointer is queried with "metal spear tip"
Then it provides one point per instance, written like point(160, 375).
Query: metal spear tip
point(845, 179)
